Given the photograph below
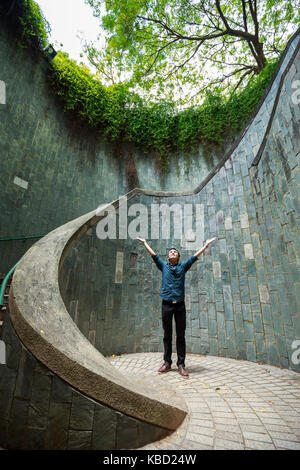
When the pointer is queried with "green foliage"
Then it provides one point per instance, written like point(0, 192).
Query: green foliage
point(102, 107)
point(27, 21)
point(153, 126)
point(241, 105)
point(150, 126)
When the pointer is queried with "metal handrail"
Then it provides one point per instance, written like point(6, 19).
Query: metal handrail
point(4, 282)
point(21, 238)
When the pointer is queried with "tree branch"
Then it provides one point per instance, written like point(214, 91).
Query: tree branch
point(220, 80)
point(181, 36)
point(244, 15)
point(254, 16)
point(222, 15)
point(241, 79)
point(158, 52)
point(252, 51)
point(177, 67)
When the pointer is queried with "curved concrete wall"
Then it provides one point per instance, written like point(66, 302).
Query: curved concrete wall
point(242, 296)
point(46, 329)
point(40, 411)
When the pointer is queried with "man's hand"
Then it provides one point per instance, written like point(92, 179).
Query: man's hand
point(208, 242)
point(150, 251)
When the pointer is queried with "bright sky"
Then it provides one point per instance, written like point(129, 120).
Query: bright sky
point(68, 19)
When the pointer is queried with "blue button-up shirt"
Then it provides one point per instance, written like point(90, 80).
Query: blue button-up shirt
point(173, 277)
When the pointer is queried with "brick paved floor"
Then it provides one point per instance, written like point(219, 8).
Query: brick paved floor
point(232, 404)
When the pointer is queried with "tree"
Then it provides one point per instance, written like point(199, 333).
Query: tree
point(106, 71)
point(181, 45)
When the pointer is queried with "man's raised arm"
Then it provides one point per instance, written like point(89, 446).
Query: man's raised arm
point(148, 248)
point(206, 244)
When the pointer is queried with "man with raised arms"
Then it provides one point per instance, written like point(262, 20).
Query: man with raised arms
point(173, 303)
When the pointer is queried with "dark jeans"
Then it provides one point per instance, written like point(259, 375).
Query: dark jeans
point(178, 310)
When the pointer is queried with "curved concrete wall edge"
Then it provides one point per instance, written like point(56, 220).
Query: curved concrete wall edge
point(60, 345)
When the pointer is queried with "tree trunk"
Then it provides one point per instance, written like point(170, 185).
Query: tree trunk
point(259, 56)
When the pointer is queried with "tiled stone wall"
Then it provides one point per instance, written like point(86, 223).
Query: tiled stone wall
point(66, 169)
point(40, 411)
point(242, 295)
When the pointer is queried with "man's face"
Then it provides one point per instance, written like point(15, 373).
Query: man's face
point(173, 256)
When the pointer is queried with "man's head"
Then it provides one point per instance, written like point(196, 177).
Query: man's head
point(173, 256)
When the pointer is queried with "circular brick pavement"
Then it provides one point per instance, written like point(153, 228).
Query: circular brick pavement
point(232, 404)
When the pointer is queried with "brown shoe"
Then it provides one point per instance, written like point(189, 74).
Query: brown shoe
point(164, 368)
point(183, 372)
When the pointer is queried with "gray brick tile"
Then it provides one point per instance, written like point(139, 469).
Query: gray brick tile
point(257, 436)
point(252, 428)
point(222, 420)
point(227, 428)
point(202, 439)
point(277, 427)
point(189, 444)
point(231, 436)
point(287, 444)
point(283, 436)
point(228, 444)
point(202, 430)
point(258, 445)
